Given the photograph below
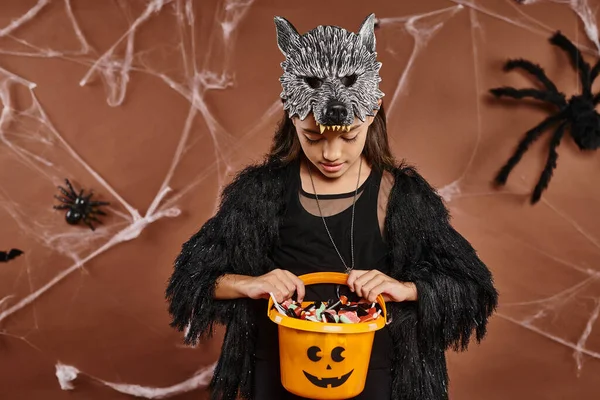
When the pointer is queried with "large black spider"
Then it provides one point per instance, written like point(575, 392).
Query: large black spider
point(79, 207)
point(6, 256)
point(578, 112)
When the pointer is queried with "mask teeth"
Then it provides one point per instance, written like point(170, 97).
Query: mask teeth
point(337, 128)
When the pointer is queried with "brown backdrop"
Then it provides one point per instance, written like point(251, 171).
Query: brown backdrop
point(154, 105)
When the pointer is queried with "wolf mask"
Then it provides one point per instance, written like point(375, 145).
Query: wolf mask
point(331, 72)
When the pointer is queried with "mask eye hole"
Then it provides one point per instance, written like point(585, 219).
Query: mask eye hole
point(313, 353)
point(348, 80)
point(313, 82)
point(336, 354)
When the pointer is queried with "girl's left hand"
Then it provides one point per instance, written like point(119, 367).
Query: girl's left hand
point(370, 284)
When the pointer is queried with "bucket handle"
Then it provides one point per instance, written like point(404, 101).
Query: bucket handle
point(335, 278)
point(324, 277)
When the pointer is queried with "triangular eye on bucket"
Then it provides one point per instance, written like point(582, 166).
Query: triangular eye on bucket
point(576, 115)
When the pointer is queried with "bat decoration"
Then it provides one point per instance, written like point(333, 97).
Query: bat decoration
point(6, 256)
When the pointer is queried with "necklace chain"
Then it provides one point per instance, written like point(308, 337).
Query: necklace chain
point(351, 226)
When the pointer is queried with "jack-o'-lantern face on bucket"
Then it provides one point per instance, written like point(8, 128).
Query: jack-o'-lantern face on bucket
point(328, 367)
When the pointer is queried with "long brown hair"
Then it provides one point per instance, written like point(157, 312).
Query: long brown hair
point(286, 146)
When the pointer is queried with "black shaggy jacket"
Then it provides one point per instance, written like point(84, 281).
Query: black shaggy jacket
point(455, 290)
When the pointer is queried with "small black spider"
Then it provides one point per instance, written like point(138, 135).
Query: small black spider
point(6, 256)
point(79, 206)
point(578, 112)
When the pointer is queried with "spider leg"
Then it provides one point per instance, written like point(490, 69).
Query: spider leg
point(62, 199)
point(99, 212)
point(534, 70)
point(88, 217)
point(87, 222)
point(596, 99)
point(99, 203)
point(558, 39)
point(531, 136)
point(64, 191)
point(89, 196)
point(555, 98)
point(550, 164)
point(73, 193)
point(62, 207)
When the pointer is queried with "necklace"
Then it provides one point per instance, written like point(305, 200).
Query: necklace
point(351, 226)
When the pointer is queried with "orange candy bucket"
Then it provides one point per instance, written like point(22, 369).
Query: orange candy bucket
point(325, 360)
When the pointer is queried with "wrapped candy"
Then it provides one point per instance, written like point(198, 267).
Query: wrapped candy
point(332, 311)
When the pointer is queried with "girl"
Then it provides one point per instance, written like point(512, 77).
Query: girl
point(329, 197)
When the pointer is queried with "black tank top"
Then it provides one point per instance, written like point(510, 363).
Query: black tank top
point(305, 247)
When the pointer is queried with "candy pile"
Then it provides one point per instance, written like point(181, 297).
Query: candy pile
point(341, 311)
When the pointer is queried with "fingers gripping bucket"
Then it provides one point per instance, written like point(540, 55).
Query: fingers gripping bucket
point(324, 360)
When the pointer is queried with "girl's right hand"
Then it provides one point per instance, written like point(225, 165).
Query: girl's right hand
point(280, 282)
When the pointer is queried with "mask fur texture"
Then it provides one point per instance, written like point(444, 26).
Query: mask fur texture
point(329, 65)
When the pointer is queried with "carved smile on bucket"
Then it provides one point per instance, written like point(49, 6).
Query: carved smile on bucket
point(325, 382)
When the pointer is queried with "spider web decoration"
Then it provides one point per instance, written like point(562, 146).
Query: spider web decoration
point(69, 282)
point(577, 114)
